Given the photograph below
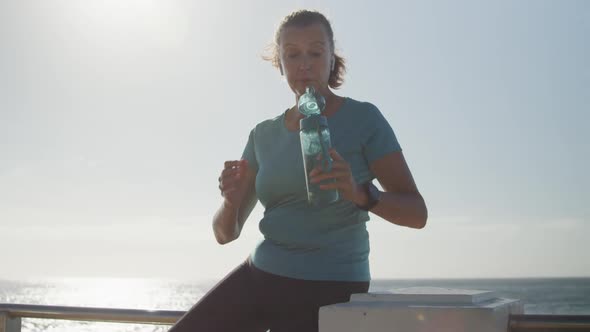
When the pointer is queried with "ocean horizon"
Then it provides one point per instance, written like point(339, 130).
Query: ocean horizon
point(539, 295)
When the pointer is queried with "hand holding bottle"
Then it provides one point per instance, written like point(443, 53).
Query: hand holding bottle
point(341, 176)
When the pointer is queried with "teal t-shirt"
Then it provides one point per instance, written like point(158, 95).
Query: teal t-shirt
point(302, 241)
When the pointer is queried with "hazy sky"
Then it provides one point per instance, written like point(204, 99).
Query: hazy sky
point(116, 117)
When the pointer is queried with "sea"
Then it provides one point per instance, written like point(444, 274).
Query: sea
point(569, 296)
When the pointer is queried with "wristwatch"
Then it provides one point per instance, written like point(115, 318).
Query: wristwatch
point(373, 195)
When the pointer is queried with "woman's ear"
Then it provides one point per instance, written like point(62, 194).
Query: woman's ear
point(333, 63)
point(281, 68)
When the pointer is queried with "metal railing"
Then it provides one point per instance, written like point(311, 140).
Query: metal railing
point(11, 314)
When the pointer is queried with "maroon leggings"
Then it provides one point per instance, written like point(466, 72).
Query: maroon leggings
point(251, 300)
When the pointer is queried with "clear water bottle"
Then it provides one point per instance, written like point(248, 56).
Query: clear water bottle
point(315, 145)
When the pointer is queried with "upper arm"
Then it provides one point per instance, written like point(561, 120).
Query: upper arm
point(393, 173)
point(384, 154)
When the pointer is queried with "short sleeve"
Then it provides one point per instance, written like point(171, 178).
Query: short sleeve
point(250, 151)
point(381, 139)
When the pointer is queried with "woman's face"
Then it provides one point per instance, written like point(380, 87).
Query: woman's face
point(306, 55)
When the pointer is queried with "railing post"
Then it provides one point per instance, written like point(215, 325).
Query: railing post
point(9, 324)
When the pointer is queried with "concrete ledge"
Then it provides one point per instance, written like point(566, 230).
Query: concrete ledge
point(420, 309)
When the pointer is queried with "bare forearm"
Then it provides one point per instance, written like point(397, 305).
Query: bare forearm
point(225, 224)
point(237, 185)
point(404, 209)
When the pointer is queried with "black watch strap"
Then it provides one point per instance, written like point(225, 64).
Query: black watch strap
point(373, 195)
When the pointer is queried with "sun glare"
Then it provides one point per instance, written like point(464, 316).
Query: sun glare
point(132, 22)
point(113, 292)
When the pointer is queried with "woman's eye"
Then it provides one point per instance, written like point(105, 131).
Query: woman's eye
point(292, 55)
point(316, 54)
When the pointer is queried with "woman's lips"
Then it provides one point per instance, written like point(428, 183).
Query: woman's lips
point(308, 81)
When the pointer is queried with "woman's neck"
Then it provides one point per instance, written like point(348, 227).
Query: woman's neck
point(333, 103)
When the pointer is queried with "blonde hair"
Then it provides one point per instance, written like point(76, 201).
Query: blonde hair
point(304, 18)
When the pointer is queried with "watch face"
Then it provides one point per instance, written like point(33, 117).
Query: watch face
point(374, 194)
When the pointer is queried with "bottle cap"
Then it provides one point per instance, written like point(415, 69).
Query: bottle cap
point(311, 103)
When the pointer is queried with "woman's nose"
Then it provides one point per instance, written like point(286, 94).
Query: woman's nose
point(305, 63)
